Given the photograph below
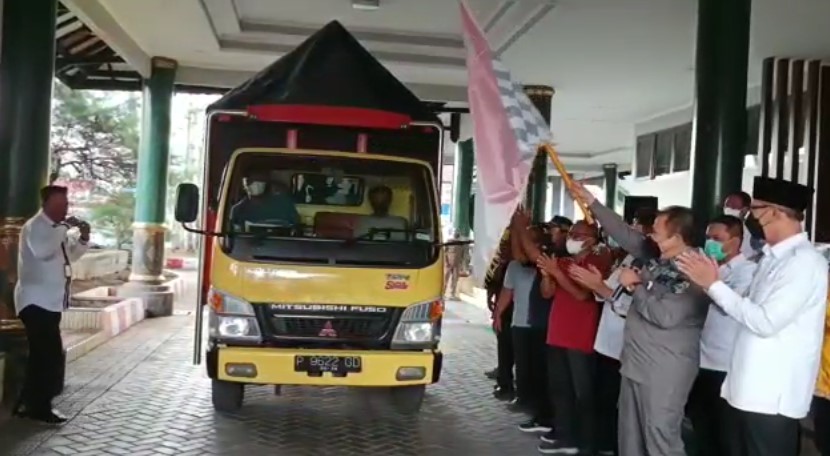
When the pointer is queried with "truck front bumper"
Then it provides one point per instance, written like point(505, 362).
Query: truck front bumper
point(275, 366)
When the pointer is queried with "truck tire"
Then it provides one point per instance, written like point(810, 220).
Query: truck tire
point(227, 396)
point(407, 400)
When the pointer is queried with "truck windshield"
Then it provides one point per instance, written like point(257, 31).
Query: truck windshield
point(333, 209)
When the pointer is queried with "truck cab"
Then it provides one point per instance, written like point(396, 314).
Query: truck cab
point(321, 256)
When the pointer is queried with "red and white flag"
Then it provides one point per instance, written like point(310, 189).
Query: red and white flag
point(507, 132)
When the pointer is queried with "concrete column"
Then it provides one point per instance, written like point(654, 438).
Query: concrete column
point(610, 171)
point(151, 190)
point(555, 202)
point(27, 64)
point(720, 102)
point(540, 96)
point(462, 187)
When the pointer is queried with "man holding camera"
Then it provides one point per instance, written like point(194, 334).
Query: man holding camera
point(45, 255)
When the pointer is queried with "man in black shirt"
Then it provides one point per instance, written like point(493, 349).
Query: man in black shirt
point(534, 346)
point(493, 284)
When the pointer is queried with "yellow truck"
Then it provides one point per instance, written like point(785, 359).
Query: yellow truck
point(306, 278)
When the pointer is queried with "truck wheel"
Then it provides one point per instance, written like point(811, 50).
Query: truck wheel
point(227, 396)
point(407, 400)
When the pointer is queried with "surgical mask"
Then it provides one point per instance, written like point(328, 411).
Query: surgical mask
point(754, 227)
point(732, 212)
point(613, 243)
point(256, 188)
point(714, 249)
point(573, 246)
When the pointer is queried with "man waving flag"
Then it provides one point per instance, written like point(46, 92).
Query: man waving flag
point(507, 132)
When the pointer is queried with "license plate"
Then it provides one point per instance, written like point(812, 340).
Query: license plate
point(338, 366)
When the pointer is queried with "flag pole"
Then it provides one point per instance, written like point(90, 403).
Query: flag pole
point(566, 178)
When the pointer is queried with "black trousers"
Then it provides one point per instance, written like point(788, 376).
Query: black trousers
point(504, 339)
point(572, 376)
point(821, 423)
point(757, 434)
point(608, 395)
point(710, 415)
point(43, 371)
point(531, 371)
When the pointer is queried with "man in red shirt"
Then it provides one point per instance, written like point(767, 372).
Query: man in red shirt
point(572, 328)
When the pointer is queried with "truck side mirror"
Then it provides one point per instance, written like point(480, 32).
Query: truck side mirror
point(187, 203)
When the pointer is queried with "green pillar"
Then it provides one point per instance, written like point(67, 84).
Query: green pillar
point(462, 187)
point(537, 188)
point(27, 64)
point(153, 159)
point(610, 171)
point(720, 103)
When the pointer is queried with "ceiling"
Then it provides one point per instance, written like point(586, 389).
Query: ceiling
point(613, 63)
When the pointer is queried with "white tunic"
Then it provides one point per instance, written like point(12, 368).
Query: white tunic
point(41, 267)
point(776, 356)
point(720, 330)
point(609, 341)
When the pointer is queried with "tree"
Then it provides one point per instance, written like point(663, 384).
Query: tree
point(95, 137)
point(115, 217)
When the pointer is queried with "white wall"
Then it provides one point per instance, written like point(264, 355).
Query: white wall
point(676, 188)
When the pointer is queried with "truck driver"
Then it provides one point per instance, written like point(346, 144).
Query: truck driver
point(380, 198)
point(261, 205)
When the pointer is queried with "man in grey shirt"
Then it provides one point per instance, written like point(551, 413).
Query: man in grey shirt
point(661, 346)
point(518, 281)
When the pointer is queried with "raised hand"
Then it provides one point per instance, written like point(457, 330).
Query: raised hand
point(579, 191)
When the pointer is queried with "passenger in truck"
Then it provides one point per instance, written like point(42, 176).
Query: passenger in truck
point(261, 206)
point(380, 198)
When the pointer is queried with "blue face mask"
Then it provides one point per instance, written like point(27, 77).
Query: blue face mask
point(714, 249)
point(612, 243)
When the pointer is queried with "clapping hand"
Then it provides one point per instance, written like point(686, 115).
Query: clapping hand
point(699, 268)
point(547, 265)
point(589, 277)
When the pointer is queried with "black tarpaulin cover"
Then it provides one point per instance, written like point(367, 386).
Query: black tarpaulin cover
point(330, 68)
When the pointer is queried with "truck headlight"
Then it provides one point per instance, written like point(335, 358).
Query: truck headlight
point(232, 318)
point(419, 326)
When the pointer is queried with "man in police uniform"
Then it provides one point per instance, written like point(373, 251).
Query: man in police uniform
point(773, 367)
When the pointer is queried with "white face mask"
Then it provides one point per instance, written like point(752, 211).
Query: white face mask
point(732, 212)
point(256, 188)
point(573, 246)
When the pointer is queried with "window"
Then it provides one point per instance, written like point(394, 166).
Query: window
point(682, 148)
point(753, 129)
point(663, 153)
point(327, 190)
point(645, 151)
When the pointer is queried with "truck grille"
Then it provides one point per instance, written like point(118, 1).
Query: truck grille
point(336, 323)
point(335, 328)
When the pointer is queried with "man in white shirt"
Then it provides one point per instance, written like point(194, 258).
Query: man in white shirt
point(737, 205)
point(774, 363)
point(44, 274)
point(707, 410)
